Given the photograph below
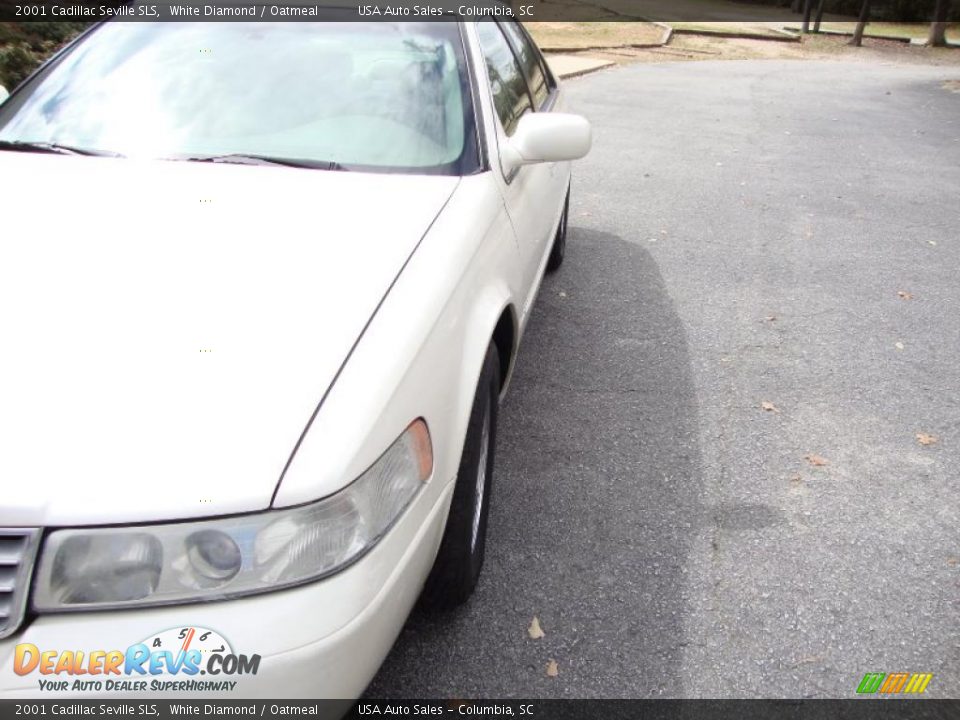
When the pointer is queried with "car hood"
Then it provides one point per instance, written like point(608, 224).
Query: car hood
point(169, 327)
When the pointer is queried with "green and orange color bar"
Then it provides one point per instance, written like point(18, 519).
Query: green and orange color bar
point(892, 683)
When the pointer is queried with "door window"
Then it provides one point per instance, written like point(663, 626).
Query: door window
point(529, 61)
point(510, 96)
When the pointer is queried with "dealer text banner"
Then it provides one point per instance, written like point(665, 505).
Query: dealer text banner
point(420, 10)
point(852, 709)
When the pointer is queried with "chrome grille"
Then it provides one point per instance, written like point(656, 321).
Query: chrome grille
point(18, 548)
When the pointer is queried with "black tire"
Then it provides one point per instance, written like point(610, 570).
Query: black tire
point(559, 248)
point(460, 558)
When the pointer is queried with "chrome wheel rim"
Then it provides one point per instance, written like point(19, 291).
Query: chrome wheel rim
point(481, 483)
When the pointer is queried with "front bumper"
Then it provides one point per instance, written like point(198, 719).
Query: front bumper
point(322, 640)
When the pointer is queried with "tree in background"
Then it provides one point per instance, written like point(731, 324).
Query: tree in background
point(24, 45)
point(819, 18)
point(807, 9)
point(861, 24)
point(938, 28)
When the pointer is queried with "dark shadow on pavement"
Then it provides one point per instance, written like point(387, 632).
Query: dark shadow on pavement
point(597, 496)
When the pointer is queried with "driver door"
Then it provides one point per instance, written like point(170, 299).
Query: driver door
point(533, 194)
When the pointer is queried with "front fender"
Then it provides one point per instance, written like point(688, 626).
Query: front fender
point(421, 354)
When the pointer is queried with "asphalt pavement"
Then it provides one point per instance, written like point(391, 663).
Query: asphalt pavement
point(743, 233)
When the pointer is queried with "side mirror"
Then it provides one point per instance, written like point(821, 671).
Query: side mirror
point(3, 93)
point(547, 137)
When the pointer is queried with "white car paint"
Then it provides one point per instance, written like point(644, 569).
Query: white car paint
point(474, 250)
point(178, 326)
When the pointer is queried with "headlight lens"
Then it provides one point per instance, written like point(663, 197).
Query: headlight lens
point(242, 555)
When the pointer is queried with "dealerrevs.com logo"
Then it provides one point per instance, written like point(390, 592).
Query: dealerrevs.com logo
point(170, 661)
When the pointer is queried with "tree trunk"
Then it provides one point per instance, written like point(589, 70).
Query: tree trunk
point(807, 9)
point(816, 23)
point(938, 28)
point(861, 24)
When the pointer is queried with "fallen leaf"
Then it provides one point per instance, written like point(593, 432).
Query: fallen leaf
point(904, 295)
point(562, 294)
point(926, 439)
point(770, 318)
point(535, 631)
point(898, 345)
point(953, 562)
point(816, 460)
point(932, 242)
point(552, 669)
point(796, 479)
point(769, 407)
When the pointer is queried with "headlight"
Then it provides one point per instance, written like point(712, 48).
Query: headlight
point(241, 555)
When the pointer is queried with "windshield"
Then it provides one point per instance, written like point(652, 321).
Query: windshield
point(372, 96)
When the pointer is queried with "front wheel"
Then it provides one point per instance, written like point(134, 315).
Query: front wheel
point(460, 558)
point(559, 248)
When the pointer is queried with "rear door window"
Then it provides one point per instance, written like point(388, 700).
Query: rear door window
point(529, 61)
point(510, 96)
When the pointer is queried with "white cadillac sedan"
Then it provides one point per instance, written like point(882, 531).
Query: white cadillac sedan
point(263, 286)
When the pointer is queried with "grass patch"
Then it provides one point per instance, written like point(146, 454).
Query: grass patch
point(707, 28)
point(893, 30)
point(573, 35)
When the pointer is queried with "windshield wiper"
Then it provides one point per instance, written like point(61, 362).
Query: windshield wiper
point(45, 147)
point(246, 159)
